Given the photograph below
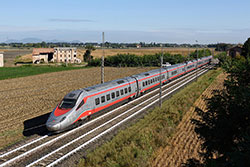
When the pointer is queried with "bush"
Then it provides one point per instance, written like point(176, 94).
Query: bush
point(131, 60)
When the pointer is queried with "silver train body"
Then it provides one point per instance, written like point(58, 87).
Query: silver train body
point(82, 103)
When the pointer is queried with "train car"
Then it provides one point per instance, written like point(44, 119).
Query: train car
point(191, 65)
point(80, 104)
point(149, 80)
point(175, 71)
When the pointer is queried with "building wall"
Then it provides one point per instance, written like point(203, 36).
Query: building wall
point(65, 54)
point(60, 55)
point(1, 60)
point(40, 58)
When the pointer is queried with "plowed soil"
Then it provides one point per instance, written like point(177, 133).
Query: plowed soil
point(29, 98)
point(185, 144)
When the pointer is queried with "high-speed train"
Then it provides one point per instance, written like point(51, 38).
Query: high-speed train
point(82, 103)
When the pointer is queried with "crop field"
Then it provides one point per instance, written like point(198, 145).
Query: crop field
point(141, 51)
point(29, 99)
point(11, 54)
point(185, 143)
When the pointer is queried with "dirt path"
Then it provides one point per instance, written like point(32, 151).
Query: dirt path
point(185, 144)
point(31, 97)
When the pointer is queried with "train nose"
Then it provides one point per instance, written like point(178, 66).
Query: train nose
point(53, 127)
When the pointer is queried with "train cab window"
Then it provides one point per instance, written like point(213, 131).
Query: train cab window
point(103, 99)
point(122, 92)
point(80, 105)
point(108, 97)
point(126, 90)
point(97, 101)
point(117, 94)
point(129, 89)
point(113, 95)
point(67, 103)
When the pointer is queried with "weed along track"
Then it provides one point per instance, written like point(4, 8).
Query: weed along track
point(185, 143)
point(54, 149)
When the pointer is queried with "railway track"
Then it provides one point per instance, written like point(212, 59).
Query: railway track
point(50, 150)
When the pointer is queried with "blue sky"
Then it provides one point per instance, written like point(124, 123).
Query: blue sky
point(181, 21)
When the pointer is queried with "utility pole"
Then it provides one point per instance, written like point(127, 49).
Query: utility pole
point(196, 61)
point(102, 67)
point(160, 94)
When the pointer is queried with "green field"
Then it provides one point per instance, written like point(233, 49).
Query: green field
point(138, 144)
point(23, 71)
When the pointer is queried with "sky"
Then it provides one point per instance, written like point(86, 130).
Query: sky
point(179, 21)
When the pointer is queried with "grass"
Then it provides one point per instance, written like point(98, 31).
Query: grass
point(27, 70)
point(13, 136)
point(137, 145)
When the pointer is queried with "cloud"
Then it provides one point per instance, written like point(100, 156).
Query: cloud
point(70, 20)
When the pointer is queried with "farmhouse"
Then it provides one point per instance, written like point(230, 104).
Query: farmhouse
point(1, 59)
point(65, 55)
point(45, 55)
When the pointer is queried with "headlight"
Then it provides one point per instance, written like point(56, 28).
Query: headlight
point(62, 119)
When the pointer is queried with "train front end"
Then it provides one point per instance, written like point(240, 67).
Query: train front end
point(62, 116)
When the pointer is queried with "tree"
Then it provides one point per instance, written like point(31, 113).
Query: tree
point(225, 127)
point(246, 48)
point(87, 55)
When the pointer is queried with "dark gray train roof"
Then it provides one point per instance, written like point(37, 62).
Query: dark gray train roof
point(73, 94)
point(174, 66)
point(149, 73)
point(107, 85)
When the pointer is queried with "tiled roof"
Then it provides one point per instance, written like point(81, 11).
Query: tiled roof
point(37, 51)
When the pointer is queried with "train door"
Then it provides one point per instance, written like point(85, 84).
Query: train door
point(138, 87)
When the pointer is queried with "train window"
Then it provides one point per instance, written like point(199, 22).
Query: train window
point(126, 90)
point(67, 103)
point(146, 82)
point(97, 101)
point(117, 94)
point(80, 105)
point(103, 99)
point(113, 95)
point(129, 89)
point(174, 72)
point(151, 80)
point(108, 97)
point(143, 83)
point(122, 92)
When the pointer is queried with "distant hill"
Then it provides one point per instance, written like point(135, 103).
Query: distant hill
point(37, 40)
point(25, 40)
